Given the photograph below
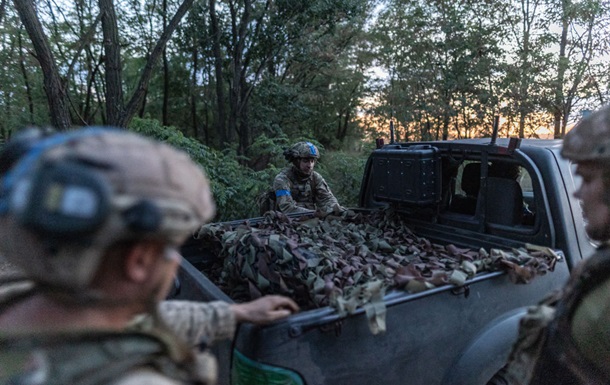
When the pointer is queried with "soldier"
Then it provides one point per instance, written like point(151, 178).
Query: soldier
point(95, 218)
point(298, 188)
point(566, 339)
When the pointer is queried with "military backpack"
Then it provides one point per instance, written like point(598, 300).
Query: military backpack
point(266, 201)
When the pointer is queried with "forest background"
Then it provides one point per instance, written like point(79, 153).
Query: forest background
point(234, 82)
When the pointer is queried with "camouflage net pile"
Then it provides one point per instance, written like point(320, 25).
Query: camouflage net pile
point(349, 260)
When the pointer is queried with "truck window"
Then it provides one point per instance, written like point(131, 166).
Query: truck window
point(466, 188)
point(509, 186)
point(510, 197)
point(525, 181)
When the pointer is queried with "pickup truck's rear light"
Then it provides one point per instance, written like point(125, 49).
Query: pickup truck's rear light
point(245, 371)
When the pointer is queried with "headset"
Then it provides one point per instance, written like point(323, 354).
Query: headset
point(66, 200)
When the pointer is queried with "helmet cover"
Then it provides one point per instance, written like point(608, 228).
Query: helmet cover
point(590, 138)
point(302, 150)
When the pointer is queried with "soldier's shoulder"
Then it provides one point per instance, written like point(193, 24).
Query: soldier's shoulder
point(284, 175)
point(317, 177)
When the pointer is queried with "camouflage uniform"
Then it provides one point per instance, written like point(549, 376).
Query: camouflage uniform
point(297, 192)
point(195, 323)
point(566, 338)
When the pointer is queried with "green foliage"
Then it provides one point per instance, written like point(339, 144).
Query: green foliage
point(268, 152)
point(343, 173)
point(234, 186)
point(446, 79)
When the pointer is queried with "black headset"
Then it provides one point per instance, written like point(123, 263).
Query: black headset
point(65, 200)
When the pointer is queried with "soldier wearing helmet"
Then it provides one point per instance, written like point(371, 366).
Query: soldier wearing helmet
point(298, 188)
point(566, 338)
point(94, 218)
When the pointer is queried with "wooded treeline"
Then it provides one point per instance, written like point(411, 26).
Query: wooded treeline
point(233, 73)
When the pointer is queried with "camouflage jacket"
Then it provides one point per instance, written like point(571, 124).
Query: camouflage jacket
point(198, 322)
point(566, 339)
point(146, 352)
point(295, 193)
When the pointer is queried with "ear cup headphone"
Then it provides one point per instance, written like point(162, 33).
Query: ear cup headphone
point(61, 199)
point(65, 199)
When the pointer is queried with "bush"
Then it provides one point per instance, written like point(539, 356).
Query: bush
point(343, 173)
point(234, 186)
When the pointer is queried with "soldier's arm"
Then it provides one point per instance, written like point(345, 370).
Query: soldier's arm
point(283, 197)
point(325, 199)
point(197, 322)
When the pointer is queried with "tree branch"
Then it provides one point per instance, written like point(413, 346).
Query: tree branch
point(53, 85)
point(138, 95)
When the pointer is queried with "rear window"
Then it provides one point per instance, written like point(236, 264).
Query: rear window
point(509, 196)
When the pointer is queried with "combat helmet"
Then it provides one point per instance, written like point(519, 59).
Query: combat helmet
point(72, 196)
point(590, 138)
point(301, 150)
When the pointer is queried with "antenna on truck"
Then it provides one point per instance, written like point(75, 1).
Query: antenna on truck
point(391, 132)
point(494, 133)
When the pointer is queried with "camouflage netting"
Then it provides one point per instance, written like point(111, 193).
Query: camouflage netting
point(349, 260)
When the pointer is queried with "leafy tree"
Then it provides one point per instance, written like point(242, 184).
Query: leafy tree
point(445, 79)
point(118, 112)
point(582, 35)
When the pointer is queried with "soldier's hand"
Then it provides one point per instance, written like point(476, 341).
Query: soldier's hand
point(338, 209)
point(265, 309)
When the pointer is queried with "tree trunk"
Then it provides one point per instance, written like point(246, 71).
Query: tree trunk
point(53, 85)
point(343, 124)
point(445, 126)
point(523, 90)
point(142, 87)
point(165, 118)
point(88, 113)
point(26, 81)
point(112, 51)
point(194, 123)
point(220, 95)
point(558, 104)
point(237, 79)
point(244, 138)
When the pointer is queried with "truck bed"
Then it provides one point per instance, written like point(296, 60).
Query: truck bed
point(448, 317)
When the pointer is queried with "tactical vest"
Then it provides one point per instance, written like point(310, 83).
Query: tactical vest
point(302, 191)
point(562, 362)
point(89, 358)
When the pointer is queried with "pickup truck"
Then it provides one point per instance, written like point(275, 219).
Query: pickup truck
point(450, 193)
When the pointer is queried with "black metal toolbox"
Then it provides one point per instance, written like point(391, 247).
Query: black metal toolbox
point(407, 174)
